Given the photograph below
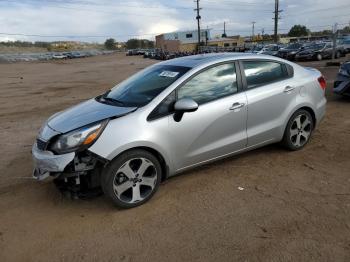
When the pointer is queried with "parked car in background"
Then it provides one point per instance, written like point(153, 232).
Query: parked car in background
point(59, 56)
point(69, 55)
point(78, 54)
point(256, 49)
point(290, 51)
point(270, 50)
point(342, 83)
point(346, 45)
point(151, 127)
point(318, 51)
point(132, 52)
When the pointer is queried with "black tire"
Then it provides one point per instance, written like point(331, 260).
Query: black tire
point(110, 175)
point(338, 55)
point(288, 138)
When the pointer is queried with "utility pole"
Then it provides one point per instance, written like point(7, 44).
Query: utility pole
point(253, 30)
point(276, 18)
point(335, 35)
point(198, 24)
point(262, 34)
point(224, 34)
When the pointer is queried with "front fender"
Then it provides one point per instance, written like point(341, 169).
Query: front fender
point(130, 132)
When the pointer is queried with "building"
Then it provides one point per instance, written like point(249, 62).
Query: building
point(181, 41)
point(187, 37)
point(231, 41)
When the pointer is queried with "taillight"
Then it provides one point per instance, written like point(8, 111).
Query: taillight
point(322, 82)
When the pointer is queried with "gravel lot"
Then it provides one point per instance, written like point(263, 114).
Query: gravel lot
point(294, 206)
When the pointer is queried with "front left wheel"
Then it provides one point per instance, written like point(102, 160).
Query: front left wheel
point(132, 178)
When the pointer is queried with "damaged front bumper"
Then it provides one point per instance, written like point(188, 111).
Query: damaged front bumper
point(45, 162)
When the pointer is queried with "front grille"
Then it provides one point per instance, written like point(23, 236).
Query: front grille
point(41, 144)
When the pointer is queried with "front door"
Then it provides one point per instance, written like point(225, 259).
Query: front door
point(218, 127)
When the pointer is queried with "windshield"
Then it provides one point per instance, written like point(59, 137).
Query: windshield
point(315, 46)
point(143, 87)
point(271, 48)
point(294, 46)
point(257, 48)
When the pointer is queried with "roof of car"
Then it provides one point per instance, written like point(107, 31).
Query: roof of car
point(198, 60)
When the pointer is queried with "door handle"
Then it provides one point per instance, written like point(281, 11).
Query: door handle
point(288, 89)
point(236, 106)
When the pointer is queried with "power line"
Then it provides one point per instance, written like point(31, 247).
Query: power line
point(321, 10)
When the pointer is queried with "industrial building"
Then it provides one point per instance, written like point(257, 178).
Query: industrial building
point(187, 41)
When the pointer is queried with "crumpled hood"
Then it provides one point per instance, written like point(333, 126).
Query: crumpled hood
point(85, 113)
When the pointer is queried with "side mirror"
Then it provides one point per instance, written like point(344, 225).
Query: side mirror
point(184, 105)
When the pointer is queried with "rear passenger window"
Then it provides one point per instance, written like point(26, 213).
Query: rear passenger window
point(263, 72)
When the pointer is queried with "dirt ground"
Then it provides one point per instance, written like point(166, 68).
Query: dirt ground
point(295, 206)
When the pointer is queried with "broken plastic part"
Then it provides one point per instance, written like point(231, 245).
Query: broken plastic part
point(46, 161)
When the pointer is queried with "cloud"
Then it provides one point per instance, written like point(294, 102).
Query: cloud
point(88, 20)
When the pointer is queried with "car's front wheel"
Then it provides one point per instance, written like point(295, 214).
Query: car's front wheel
point(298, 130)
point(132, 178)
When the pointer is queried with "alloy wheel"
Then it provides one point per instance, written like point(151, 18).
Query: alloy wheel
point(300, 130)
point(135, 180)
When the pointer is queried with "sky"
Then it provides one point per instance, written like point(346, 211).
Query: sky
point(94, 21)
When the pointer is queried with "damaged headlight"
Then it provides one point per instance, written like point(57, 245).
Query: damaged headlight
point(78, 139)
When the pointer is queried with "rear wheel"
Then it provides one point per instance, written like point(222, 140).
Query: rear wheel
point(338, 54)
point(299, 130)
point(132, 178)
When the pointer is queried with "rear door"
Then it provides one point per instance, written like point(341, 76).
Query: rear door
point(271, 93)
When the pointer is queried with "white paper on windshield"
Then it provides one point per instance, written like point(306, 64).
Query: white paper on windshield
point(168, 74)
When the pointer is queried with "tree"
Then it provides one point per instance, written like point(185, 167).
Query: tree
point(110, 44)
point(298, 30)
point(139, 43)
point(346, 30)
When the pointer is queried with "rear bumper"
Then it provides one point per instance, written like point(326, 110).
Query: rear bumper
point(321, 110)
point(45, 162)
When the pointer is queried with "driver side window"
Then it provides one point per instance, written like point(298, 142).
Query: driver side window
point(212, 84)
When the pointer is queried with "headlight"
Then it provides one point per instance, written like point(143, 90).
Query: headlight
point(78, 139)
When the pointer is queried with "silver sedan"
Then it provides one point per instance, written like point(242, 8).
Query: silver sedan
point(174, 116)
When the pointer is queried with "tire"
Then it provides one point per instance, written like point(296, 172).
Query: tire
point(319, 57)
point(298, 131)
point(132, 178)
point(337, 55)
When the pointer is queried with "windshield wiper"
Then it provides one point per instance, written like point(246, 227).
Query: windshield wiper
point(105, 97)
point(110, 99)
